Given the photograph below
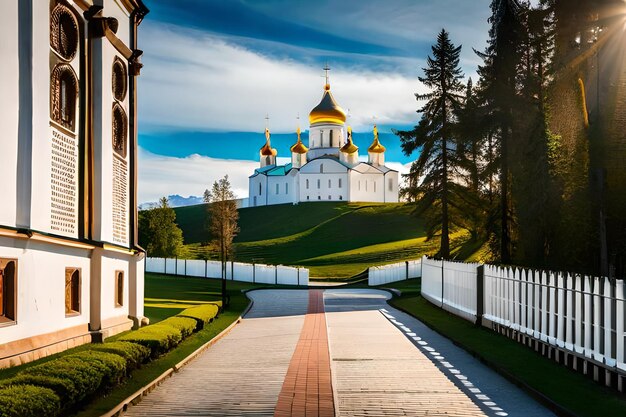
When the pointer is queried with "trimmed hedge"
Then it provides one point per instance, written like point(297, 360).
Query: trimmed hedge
point(159, 338)
point(28, 401)
point(186, 325)
point(134, 353)
point(112, 366)
point(62, 387)
point(203, 314)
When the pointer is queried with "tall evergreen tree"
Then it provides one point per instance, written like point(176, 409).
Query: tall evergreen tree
point(498, 77)
point(431, 173)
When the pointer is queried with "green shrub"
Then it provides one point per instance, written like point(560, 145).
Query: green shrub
point(64, 388)
point(28, 401)
point(134, 353)
point(203, 314)
point(113, 366)
point(86, 376)
point(159, 338)
point(186, 325)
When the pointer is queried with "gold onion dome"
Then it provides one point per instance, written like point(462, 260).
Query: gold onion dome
point(349, 147)
point(299, 146)
point(267, 149)
point(328, 111)
point(376, 147)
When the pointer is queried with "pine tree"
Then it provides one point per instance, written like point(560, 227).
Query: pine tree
point(498, 78)
point(431, 174)
point(223, 227)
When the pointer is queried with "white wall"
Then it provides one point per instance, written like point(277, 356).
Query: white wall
point(384, 274)
point(333, 171)
point(284, 195)
point(255, 197)
point(367, 186)
point(9, 100)
point(237, 271)
point(41, 288)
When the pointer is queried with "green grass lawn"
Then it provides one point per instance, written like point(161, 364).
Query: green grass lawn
point(571, 390)
point(333, 240)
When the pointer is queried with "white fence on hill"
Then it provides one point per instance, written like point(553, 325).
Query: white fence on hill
point(578, 314)
point(383, 274)
point(235, 271)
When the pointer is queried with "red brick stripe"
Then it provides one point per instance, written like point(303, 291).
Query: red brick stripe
point(307, 389)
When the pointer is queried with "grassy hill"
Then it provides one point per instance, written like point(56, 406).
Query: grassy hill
point(332, 239)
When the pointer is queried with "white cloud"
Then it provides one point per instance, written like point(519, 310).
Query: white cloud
point(196, 81)
point(166, 175)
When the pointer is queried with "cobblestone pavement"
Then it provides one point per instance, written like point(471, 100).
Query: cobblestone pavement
point(281, 359)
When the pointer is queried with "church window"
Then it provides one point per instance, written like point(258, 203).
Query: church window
point(374, 186)
point(307, 184)
point(260, 188)
point(329, 197)
point(63, 32)
point(286, 188)
point(329, 184)
point(307, 197)
point(339, 182)
point(390, 184)
point(332, 138)
point(277, 189)
point(321, 168)
point(8, 294)
point(120, 130)
point(319, 197)
point(321, 138)
point(319, 184)
point(341, 197)
point(119, 288)
point(118, 82)
point(64, 90)
point(72, 291)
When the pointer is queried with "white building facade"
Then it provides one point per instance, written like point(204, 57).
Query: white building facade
point(71, 271)
point(328, 169)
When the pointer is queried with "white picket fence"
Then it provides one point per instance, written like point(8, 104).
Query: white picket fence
point(383, 274)
point(579, 314)
point(235, 271)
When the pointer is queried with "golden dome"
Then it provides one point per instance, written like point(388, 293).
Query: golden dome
point(299, 146)
point(349, 147)
point(328, 111)
point(267, 149)
point(376, 147)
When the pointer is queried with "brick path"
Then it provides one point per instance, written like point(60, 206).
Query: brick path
point(307, 390)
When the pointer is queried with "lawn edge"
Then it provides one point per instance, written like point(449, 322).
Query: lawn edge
point(139, 394)
point(544, 400)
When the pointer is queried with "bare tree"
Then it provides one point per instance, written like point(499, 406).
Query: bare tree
point(223, 223)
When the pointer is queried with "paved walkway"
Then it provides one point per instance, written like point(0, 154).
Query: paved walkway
point(334, 351)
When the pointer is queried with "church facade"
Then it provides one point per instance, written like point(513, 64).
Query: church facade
point(71, 271)
point(328, 169)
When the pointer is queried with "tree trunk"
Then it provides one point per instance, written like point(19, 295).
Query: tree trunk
point(505, 241)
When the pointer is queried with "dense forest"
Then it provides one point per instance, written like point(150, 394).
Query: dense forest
point(531, 157)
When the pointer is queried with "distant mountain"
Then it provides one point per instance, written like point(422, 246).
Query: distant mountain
point(175, 201)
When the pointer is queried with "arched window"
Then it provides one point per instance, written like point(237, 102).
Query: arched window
point(63, 94)
point(119, 77)
point(332, 139)
point(63, 32)
point(7, 290)
point(260, 188)
point(341, 197)
point(120, 130)
point(286, 188)
point(321, 138)
point(339, 182)
point(319, 184)
point(72, 291)
point(329, 183)
point(390, 184)
point(307, 184)
point(329, 197)
point(321, 168)
point(119, 288)
point(277, 188)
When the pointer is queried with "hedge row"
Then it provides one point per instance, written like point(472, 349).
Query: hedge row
point(60, 384)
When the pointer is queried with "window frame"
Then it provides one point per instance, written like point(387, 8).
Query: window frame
point(4, 319)
point(73, 312)
point(119, 295)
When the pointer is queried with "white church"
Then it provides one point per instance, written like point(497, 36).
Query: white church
point(71, 271)
point(328, 169)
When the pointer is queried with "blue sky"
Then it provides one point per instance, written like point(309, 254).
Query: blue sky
point(215, 68)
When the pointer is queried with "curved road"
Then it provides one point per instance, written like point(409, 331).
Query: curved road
point(342, 352)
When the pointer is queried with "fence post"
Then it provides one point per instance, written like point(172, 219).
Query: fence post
point(232, 270)
point(298, 270)
point(253, 273)
point(206, 267)
point(176, 266)
point(480, 291)
point(407, 269)
point(442, 281)
point(275, 274)
point(185, 267)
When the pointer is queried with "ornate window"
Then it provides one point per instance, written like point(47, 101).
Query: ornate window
point(8, 281)
point(119, 288)
point(120, 130)
point(72, 291)
point(118, 82)
point(64, 91)
point(64, 32)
